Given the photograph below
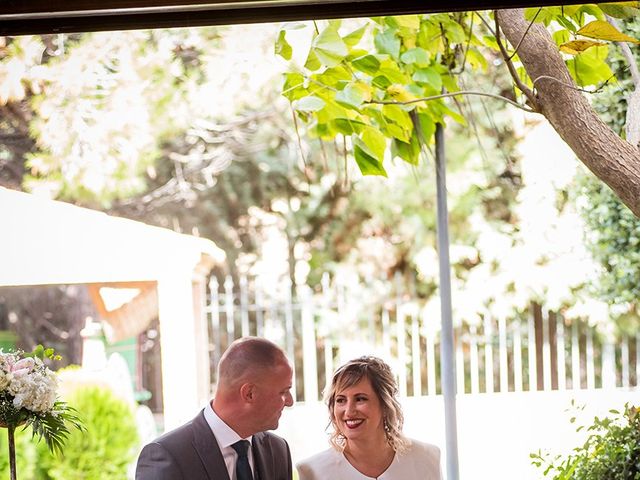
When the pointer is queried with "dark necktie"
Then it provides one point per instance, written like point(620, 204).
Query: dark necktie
point(243, 469)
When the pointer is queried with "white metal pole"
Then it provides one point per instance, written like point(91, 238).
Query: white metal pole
point(448, 366)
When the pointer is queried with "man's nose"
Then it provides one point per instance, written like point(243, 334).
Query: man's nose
point(288, 401)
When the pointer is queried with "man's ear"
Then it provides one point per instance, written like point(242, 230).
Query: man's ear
point(248, 392)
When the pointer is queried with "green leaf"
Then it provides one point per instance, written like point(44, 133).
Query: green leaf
point(351, 96)
point(542, 15)
point(391, 130)
point(394, 114)
point(329, 48)
point(577, 46)
point(375, 142)
point(331, 111)
point(605, 31)
point(354, 37)
point(293, 87)
point(391, 70)
point(387, 42)
point(368, 64)
point(476, 59)
point(490, 41)
point(418, 56)
point(39, 351)
point(569, 10)
point(322, 131)
point(428, 127)
point(430, 76)
point(411, 22)
point(310, 103)
point(409, 152)
point(334, 76)
point(442, 109)
point(312, 63)
point(591, 9)
point(454, 33)
point(590, 67)
point(381, 82)
point(368, 165)
point(561, 36)
point(282, 47)
point(348, 126)
point(620, 10)
point(566, 23)
point(449, 82)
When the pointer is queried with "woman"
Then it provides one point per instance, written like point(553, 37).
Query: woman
point(367, 441)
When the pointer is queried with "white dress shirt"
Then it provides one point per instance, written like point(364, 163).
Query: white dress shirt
point(226, 436)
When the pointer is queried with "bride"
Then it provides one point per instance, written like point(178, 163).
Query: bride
point(367, 440)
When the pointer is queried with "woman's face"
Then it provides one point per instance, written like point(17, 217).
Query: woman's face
point(358, 412)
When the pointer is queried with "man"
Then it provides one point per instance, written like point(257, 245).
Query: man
point(254, 383)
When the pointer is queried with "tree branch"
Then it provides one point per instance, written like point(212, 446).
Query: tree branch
point(454, 94)
point(612, 159)
point(628, 55)
point(570, 85)
point(507, 59)
point(632, 120)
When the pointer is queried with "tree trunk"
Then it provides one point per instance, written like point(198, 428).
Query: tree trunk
point(612, 159)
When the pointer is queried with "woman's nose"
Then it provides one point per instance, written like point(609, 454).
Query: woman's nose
point(350, 407)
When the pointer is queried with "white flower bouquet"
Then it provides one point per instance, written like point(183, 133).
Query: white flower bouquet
point(29, 397)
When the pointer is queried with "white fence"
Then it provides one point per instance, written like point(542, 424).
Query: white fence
point(539, 351)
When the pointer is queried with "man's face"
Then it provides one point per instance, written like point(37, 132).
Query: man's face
point(273, 394)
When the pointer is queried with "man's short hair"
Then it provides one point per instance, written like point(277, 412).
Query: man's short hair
point(247, 357)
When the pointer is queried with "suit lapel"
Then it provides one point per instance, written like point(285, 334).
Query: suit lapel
point(262, 458)
point(208, 450)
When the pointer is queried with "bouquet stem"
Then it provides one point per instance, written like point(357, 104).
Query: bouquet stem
point(12, 452)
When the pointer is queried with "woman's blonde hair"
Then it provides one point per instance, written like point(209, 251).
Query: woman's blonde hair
point(384, 385)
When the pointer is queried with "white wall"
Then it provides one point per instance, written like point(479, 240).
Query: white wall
point(496, 432)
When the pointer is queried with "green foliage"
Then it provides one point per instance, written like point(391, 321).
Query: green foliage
point(25, 454)
point(613, 232)
point(611, 451)
point(105, 449)
point(613, 239)
point(387, 73)
point(41, 352)
point(53, 426)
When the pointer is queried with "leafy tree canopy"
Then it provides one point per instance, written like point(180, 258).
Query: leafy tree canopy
point(383, 84)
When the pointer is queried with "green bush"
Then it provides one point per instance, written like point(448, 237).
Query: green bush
point(25, 454)
point(611, 451)
point(105, 450)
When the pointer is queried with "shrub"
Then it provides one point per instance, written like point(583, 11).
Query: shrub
point(105, 450)
point(25, 454)
point(611, 451)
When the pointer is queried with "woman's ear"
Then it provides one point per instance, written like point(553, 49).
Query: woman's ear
point(248, 392)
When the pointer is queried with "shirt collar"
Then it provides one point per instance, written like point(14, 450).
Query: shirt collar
point(224, 434)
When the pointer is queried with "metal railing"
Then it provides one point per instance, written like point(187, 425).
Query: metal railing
point(539, 350)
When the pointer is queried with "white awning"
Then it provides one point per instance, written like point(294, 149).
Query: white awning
point(46, 242)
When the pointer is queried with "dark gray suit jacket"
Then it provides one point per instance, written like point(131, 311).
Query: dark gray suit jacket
point(191, 452)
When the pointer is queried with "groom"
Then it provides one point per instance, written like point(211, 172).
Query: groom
point(254, 382)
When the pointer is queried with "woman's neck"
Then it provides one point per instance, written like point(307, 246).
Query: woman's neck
point(371, 458)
